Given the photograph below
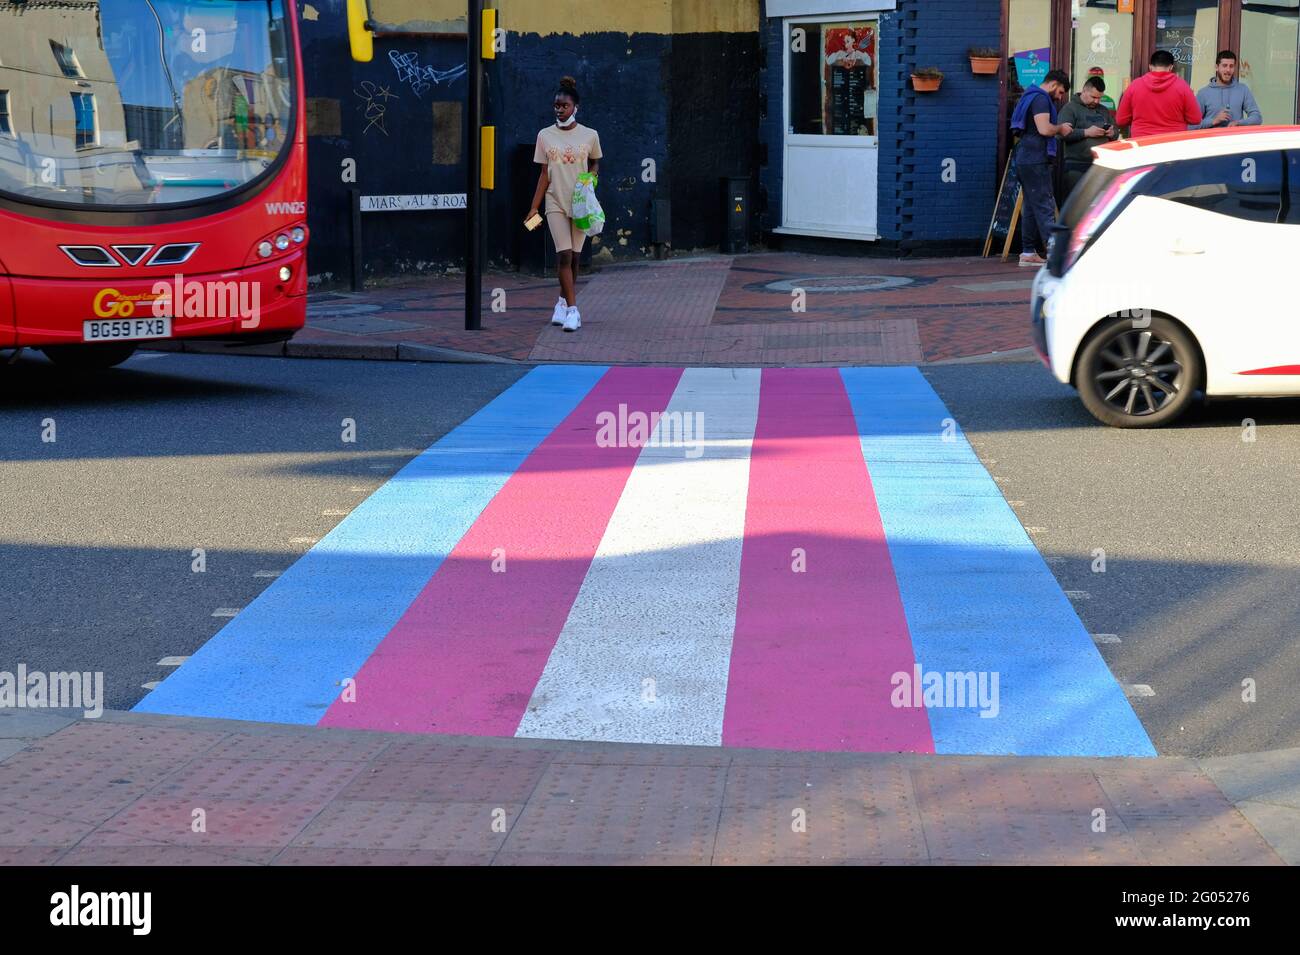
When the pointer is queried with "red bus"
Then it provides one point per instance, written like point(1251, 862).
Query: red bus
point(153, 175)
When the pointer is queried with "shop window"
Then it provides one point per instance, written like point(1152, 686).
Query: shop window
point(1102, 46)
point(833, 78)
point(6, 124)
point(1244, 186)
point(1269, 36)
point(1189, 29)
point(1029, 42)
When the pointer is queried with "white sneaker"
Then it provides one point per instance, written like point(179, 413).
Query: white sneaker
point(572, 319)
point(561, 309)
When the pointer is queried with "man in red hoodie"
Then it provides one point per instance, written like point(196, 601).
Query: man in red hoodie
point(1158, 101)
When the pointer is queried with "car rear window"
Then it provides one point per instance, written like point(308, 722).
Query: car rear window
point(1244, 185)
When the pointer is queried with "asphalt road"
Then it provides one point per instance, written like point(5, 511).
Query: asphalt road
point(245, 459)
point(1201, 579)
point(242, 457)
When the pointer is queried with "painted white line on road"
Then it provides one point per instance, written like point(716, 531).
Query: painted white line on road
point(1078, 595)
point(171, 661)
point(1107, 638)
point(1035, 530)
point(269, 574)
point(1133, 690)
point(646, 652)
point(336, 512)
point(226, 611)
point(151, 685)
point(304, 540)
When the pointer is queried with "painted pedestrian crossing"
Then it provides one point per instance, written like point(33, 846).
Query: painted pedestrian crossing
point(562, 566)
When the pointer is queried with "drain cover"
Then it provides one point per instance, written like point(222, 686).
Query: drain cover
point(842, 283)
point(341, 310)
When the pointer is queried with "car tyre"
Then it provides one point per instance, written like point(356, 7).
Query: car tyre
point(1135, 375)
point(90, 357)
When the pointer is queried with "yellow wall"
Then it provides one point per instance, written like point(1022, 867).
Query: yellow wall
point(548, 17)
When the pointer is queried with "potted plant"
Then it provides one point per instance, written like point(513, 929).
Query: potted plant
point(985, 59)
point(926, 79)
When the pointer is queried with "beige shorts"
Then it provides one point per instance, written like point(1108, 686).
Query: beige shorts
point(568, 237)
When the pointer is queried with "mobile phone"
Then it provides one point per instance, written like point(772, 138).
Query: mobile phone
point(1106, 126)
point(533, 222)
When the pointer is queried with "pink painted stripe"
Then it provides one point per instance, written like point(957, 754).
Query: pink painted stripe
point(466, 655)
point(813, 652)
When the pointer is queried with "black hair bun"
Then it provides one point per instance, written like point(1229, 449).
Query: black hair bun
point(568, 83)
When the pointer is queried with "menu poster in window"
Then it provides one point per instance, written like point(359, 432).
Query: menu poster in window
point(1032, 66)
point(850, 53)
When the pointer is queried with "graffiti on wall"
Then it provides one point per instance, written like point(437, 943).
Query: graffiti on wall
point(422, 78)
point(374, 100)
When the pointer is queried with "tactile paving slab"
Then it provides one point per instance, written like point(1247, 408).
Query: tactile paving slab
point(357, 824)
point(481, 781)
point(602, 829)
point(624, 785)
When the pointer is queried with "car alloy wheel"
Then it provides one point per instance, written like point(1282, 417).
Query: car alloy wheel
point(1139, 374)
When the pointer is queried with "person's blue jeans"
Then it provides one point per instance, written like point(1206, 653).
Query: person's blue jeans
point(1039, 206)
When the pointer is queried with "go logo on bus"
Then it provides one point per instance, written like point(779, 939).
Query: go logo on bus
point(110, 303)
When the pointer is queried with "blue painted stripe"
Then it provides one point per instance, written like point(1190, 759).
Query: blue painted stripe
point(977, 594)
point(283, 658)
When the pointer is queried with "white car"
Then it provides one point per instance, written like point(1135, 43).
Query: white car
point(1173, 270)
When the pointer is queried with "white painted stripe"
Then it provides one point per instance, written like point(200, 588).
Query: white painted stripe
point(645, 653)
point(226, 611)
point(171, 661)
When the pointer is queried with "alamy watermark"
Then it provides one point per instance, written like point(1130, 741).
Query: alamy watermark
point(936, 689)
point(55, 690)
point(656, 429)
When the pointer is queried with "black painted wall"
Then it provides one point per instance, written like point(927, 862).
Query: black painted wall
point(713, 129)
point(687, 102)
point(386, 123)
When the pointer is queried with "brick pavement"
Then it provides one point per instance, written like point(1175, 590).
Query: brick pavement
point(711, 310)
point(125, 789)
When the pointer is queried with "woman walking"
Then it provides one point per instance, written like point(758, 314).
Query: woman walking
point(565, 151)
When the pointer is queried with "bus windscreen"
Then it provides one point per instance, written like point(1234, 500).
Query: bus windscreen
point(122, 103)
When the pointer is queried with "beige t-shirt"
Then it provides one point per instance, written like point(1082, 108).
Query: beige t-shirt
point(565, 153)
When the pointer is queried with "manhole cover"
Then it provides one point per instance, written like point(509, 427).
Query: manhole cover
point(842, 283)
point(341, 310)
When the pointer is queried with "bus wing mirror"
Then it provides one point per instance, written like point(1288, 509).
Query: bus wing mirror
point(361, 39)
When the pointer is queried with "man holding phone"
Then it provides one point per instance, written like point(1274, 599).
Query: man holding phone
point(1093, 124)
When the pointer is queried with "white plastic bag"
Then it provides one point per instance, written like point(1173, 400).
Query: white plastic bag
point(587, 213)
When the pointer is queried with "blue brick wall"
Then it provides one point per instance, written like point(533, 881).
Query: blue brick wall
point(918, 131)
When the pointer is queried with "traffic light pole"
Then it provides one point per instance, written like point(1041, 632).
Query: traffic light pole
point(474, 191)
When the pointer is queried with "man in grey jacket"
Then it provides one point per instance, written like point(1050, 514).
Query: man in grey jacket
point(1227, 101)
point(1094, 125)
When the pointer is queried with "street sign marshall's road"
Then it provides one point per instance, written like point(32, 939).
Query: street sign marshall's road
point(425, 203)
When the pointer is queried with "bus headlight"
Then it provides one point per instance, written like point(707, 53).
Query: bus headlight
point(299, 234)
point(282, 242)
point(264, 250)
point(286, 273)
